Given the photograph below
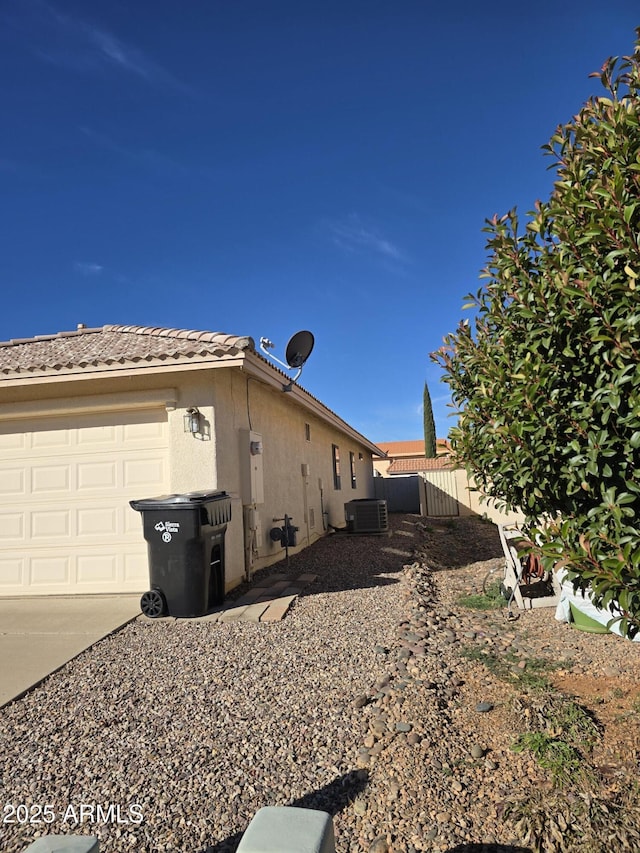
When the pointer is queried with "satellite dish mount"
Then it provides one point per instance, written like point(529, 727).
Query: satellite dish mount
point(297, 352)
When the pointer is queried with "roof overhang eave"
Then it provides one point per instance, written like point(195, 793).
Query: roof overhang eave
point(118, 369)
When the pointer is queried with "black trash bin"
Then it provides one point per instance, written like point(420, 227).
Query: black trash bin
point(185, 542)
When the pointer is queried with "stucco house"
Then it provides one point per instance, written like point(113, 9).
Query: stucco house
point(93, 418)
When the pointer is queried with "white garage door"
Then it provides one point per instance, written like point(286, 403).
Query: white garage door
point(65, 485)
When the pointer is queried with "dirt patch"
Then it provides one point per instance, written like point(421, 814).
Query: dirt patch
point(459, 543)
point(615, 703)
point(531, 669)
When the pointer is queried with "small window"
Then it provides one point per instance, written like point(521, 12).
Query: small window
point(336, 466)
point(312, 517)
point(352, 466)
point(307, 432)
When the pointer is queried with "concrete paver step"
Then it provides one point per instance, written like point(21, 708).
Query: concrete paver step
point(268, 602)
point(252, 595)
point(277, 610)
point(253, 613)
point(233, 614)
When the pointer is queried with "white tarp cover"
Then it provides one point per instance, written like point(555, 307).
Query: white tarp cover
point(582, 602)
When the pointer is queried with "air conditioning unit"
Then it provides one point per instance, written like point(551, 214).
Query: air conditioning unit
point(366, 515)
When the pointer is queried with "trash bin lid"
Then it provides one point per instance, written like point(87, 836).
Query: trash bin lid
point(188, 500)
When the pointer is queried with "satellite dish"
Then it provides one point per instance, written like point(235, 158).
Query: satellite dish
point(299, 349)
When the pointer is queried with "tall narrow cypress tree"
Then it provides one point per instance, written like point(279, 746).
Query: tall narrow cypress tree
point(429, 425)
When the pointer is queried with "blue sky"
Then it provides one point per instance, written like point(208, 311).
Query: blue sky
point(262, 167)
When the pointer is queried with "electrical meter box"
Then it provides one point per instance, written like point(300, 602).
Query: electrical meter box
point(251, 466)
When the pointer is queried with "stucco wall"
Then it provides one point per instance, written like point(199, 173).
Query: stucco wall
point(381, 466)
point(242, 403)
point(192, 458)
point(474, 502)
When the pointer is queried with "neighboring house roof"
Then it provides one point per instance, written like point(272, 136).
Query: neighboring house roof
point(411, 448)
point(120, 349)
point(402, 448)
point(411, 465)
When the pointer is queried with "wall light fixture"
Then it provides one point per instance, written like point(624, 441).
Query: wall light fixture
point(193, 421)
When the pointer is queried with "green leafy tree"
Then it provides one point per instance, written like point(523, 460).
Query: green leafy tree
point(546, 379)
point(430, 444)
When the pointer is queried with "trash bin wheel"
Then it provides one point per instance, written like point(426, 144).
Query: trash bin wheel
point(153, 604)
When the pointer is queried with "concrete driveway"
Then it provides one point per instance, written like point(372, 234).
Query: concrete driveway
point(39, 635)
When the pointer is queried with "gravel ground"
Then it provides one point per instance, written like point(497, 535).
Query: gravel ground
point(365, 701)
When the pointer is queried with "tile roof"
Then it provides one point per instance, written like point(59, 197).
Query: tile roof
point(409, 448)
point(113, 345)
point(395, 448)
point(413, 464)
